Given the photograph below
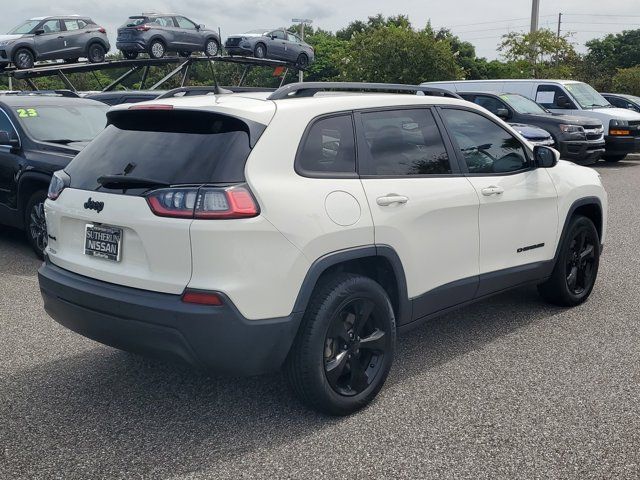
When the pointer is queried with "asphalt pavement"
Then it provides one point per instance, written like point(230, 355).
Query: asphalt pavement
point(506, 388)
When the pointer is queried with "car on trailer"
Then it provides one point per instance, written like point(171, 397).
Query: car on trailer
point(40, 133)
point(67, 37)
point(159, 33)
point(278, 44)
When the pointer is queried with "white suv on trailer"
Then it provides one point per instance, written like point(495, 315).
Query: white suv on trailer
point(245, 232)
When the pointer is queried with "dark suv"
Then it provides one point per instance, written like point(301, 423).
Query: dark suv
point(53, 38)
point(157, 34)
point(580, 139)
point(39, 134)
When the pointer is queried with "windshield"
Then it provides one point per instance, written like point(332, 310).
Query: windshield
point(586, 96)
point(25, 27)
point(62, 123)
point(522, 104)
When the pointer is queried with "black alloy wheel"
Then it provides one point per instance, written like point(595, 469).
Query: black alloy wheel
point(35, 224)
point(354, 348)
point(303, 61)
point(345, 345)
point(96, 53)
point(23, 58)
point(574, 274)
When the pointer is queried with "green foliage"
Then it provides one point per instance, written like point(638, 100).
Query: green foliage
point(607, 55)
point(627, 80)
point(542, 54)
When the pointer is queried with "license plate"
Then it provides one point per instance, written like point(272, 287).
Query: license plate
point(103, 242)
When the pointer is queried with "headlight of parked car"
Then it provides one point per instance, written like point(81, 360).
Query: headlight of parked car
point(571, 129)
point(618, 123)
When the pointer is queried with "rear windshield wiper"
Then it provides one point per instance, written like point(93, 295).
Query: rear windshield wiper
point(121, 181)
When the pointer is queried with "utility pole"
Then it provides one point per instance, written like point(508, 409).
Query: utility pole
point(559, 23)
point(302, 22)
point(535, 14)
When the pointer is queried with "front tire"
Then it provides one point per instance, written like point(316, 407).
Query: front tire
point(576, 269)
point(344, 349)
point(96, 53)
point(212, 48)
point(260, 51)
point(157, 49)
point(23, 58)
point(35, 225)
point(303, 62)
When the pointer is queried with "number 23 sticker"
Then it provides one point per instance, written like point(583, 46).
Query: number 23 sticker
point(27, 112)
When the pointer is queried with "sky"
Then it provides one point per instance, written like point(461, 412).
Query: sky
point(482, 22)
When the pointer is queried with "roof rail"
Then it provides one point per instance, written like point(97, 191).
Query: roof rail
point(207, 89)
point(51, 93)
point(309, 89)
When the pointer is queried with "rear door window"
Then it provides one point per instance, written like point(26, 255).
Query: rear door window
point(404, 142)
point(173, 147)
point(490, 103)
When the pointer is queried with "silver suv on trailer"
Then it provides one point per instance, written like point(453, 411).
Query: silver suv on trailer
point(66, 37)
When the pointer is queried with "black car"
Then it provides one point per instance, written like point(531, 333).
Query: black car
point(159, 33)
point(580, 139)
point(39, 134)
point(621, 100)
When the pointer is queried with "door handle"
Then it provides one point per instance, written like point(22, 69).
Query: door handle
point(391, 199)
point(492, 190)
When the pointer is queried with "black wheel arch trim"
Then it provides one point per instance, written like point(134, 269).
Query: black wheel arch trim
point(325, 262)
point(35, 177)
point(581, 202)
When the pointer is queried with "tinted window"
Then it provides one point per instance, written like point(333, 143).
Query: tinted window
point(165, 146)
point(278, 34)
point(184, 23)
point(62, 123)
point(134, 21)
point(548, 95)
point(329, 147)
point(405, 142)
point(486, 147)
point(5, 124)
point(51, 26)
point(490, 103)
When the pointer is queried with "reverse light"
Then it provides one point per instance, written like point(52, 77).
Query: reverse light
point(59, 181)
point(205, 203)
point(201, 297)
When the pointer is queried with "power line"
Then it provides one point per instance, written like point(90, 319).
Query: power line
point(491, 29)
point(495, 21)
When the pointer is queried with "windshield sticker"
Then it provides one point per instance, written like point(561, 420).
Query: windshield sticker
point(27, 112)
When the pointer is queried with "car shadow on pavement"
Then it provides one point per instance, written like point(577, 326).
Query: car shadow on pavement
point(109, 413)
point(16, 256)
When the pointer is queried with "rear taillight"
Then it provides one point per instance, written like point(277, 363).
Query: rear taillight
point(143, 28)
point(59, 181)
point(102, 30)
point(206, 203)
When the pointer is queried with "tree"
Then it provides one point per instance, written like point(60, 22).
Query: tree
point(627, 80)
point(606, 55)
point(543, 53)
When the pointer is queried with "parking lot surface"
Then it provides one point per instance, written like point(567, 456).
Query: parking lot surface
point(506, 388)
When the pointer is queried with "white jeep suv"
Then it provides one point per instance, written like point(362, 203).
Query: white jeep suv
point(300, 228)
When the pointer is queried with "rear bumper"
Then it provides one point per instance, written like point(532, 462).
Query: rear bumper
point(622, 145)
point(161, 325)
point(131, 46)
point(581, 152)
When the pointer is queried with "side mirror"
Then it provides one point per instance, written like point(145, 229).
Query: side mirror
point(198, 27)
point(7, 141)
point(272, 37)
point(545, 157)
point(503, 113)
point(40, 31)
point(563, 102)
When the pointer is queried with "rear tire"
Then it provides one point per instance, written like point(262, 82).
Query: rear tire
point(157, 49)
point(576, 268)
point(34, 222)
point(345, 345)
point(23, 58)
point(614, 158)
point(96, 53)
point(129, 55)
point(303, 62)
point(260, 51)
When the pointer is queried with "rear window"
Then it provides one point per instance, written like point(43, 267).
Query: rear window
point(134, 21)
point(174, 147)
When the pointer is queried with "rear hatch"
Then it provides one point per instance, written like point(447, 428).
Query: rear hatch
point(132, 28)
point(103, 224)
